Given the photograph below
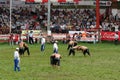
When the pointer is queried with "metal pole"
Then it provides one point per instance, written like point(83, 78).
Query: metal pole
point(11, 40)
point(10, 15)
point(48, 18)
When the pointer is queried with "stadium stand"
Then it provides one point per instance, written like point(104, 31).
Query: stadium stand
point(62, 20)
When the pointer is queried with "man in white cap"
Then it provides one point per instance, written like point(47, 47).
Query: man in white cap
point(16, 60)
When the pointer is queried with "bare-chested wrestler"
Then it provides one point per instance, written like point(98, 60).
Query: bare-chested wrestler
point(71, 44)
point(55, 59)
point(21, 47)
point(84, 49)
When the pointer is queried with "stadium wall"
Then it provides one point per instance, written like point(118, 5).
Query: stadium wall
point(105, 35)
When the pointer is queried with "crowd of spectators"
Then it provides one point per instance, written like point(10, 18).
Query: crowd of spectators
point(4, 20)
point(111, 22)
point(62, 20)
point(72, 19)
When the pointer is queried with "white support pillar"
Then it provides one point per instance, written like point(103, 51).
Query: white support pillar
point(48, 18)
point(10, 16)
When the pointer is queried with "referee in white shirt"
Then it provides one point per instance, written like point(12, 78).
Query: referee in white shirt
point(55, 47)
point(31, 41)
point(43, 44)
point(16, 60)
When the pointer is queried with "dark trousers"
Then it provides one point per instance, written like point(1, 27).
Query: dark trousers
point(116, 41)
point(27, 49)
point(86, 51)
point(54, 61)
point(31, 41)
point(71, 51)
point(21, 51)
point(55, 50)
point(69, 46)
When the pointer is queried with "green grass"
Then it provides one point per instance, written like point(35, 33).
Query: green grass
point(104, 64)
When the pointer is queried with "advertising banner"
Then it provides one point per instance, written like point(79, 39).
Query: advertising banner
point(85, 36)
point(6, 37)
point(36, 33)
point(108, 36)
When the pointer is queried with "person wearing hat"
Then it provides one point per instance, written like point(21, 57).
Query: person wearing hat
point(16, 60)
point(55, 47)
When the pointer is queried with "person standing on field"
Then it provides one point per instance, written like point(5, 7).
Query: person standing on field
point(116, 38)
point(55, 47)
point(43, 44)
point(16, 60)
point(31, 41)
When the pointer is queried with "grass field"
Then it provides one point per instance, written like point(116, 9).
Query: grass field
point(104, 64)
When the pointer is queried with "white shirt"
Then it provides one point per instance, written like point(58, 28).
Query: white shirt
point(43, 41)
point(116, 28)
point(116, 36)
point(55, 46)
point(16, 55)
point(30, 34)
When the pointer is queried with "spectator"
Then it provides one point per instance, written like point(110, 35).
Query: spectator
point(62, 20)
